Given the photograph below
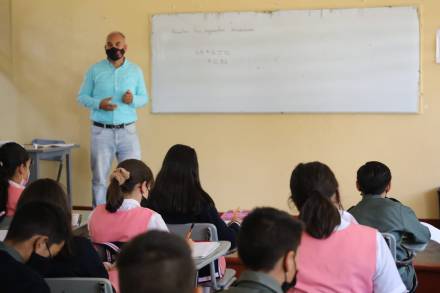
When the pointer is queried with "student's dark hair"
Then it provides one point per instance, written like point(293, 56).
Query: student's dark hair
point(49, 191)
point(373, 178)
point(177, 189)
point(312, 186)
point(266, 236)
point(156, 262)
point(12, 155)
point(39, 218)
point(139, 173)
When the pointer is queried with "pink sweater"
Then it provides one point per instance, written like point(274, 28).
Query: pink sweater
point(14, 193)
point(120, 226)
point(344, 262)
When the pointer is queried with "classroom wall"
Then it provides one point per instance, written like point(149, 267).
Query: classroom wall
point(245, 160)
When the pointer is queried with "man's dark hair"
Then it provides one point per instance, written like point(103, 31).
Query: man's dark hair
point(39, 218)
point(156, 262)
point(373, 178)
point(266, 235)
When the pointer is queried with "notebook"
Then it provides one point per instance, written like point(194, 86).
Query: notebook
point(203, 249)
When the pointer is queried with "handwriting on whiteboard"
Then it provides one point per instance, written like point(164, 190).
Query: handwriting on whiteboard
point(214, 56)
point(180, 31)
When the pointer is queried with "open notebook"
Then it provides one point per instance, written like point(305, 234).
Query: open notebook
point(203, 249)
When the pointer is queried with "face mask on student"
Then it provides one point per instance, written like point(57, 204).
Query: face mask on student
point(286, 286)
point(24, 181)
point(115, 53)
point(37, 259)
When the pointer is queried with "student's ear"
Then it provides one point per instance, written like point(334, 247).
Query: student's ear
point(358, 186)
point(289, 262)
point(145, 188)
point(388, 188)
point(22, 169)
point(39, 245)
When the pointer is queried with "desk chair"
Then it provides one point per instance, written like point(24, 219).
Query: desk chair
point(51, 157)
point(391, 242)
point(206, 232)
point(108, 251)
point(79, 285)
point(5, 223)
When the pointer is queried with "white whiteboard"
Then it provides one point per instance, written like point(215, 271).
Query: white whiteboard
point(330, 60)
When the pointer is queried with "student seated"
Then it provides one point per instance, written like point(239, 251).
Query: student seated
point(337, 255)
point(122, 217)
point(179, 197)
point(37, 228)
point(14, 174)
point(389, 215)
point(267, 246)
point(78, 258)
point(156, 262)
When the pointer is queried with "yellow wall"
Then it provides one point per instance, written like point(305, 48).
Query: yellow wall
point(245, 160)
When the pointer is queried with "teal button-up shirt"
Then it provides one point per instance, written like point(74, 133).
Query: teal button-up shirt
point(103, 80)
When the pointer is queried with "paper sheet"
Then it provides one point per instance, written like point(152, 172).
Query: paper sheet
point(203, 249)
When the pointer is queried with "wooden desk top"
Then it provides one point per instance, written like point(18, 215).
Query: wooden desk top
point(429, 258)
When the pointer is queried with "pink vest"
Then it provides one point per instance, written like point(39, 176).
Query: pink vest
point(14, 193)
point(119, 226)
point(344, 262)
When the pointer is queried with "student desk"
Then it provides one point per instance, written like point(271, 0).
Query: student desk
point(64, 151)
point(427, 265)
point(220, 251)
point(209, 260)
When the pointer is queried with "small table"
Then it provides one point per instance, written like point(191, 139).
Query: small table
point(209, 260)
point(58, 150)
point(220, 251)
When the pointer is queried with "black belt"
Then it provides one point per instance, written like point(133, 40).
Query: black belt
point(111, 126)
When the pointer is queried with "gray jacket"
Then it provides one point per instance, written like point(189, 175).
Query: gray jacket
point(255, 282)
point(389, 215)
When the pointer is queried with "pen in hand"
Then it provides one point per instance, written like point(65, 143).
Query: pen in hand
point(188, 236)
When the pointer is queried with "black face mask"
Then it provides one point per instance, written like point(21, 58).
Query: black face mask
point(288, 285)
point(115, 53)
point(285, 286)
point(37, 260)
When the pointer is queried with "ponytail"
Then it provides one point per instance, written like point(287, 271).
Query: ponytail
point(114, 196)
point(12, 155)
point(320, 216)
point(313, 186)
point(124, 179)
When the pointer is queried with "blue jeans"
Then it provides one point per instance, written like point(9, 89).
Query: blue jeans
point(106, 145)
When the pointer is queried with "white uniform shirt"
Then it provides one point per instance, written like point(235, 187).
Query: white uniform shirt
point(386, 278)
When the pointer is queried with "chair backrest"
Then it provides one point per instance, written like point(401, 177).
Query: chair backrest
point(200, 231)
point(79, 285)
point(108, 251)
point(5, 223)
point(49, 156)
point(391, 242)
point(3, 234)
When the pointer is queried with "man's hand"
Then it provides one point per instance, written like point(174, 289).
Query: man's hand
point(127, 98)
point(107, 105)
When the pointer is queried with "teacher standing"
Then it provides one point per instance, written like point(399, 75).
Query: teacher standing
point(112, 89)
